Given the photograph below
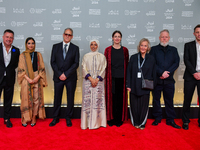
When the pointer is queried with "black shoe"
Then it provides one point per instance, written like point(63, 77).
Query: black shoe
point(142, 127)
point(8, 123)
point(110, 123)
point(68, 122)
point(118, 124)
point(156, 122)
point(185, 126)
point(173, 124)
point(33, 124)
point(24, 125)
point(53, 123)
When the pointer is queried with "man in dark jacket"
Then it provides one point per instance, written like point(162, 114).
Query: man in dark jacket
point(64, 62)
point(191, 75)
point(9, 57)
point(167, 61)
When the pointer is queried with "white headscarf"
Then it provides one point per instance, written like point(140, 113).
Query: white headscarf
point(96, 52)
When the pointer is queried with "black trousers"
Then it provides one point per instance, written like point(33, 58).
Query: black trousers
point(117, 98)
point(139, 106)
point(168, 94)
point(189, 87)
point(58, 92)
point(8, 91)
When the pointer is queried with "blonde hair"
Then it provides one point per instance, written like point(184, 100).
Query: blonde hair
point(144, 40)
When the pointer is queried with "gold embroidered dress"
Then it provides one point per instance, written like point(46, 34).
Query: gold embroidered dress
point(32, 98)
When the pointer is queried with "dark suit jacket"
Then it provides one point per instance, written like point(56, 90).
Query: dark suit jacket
point(190, 60)
point(10, 69)
point(69, 65)
point(165, 61)
point(148, 70)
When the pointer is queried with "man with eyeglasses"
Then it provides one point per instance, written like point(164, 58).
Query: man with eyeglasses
point(64, 62)
point(9, 58)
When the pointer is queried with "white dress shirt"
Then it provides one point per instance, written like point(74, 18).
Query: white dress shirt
point(198, 57)
point(7, 56)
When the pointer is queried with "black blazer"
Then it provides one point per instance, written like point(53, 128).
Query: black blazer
point(148, 70)
point(190, 60)
point(10, 69)
point(165, 61)
point(69, 65)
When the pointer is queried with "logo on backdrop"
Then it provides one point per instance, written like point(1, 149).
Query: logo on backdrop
point(169, 1)
point(168, 26)
point(131, 12)
point(187, 14)
point(76, 11)
point(95, 2)
point(19, 37)
point(151, 13)
point(149, 1)
point(57, 11)
point(36, 10)
point(89, 37)
point(38, 24)
point(2, 10)
point(132, 26)
point(188, 2)
point(150, 26)
point(75, 24)
point(57, 24)
point(131, 39)
point(94, 11)
point(185, 40)
point(113, 1)
point(41, 50)
point(169, 13)
point(113, 12)
point(76, 38)
point(56, 38)
point(113, 25)
point(18, 24)
point(38, 37)
point(2, 24)
point(132, 0)
point(18, 10)
point(186, 27)
point(151, 38)
point(94, 25)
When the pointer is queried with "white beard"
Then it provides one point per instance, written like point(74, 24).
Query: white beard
point(164, 44)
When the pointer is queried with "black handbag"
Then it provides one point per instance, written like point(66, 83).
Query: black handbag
point(146, 84)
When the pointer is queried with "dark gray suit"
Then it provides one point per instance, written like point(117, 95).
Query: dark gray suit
point(190, 60)
point(7, 82)
point(68, 66)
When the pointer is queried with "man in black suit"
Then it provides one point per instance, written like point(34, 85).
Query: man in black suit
point(9, 57)
point(192, 75)
point(64, 62)
point(167, 61)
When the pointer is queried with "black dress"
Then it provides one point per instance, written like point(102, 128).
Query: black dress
point(117, 71)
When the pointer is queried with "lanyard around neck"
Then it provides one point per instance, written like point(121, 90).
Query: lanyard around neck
point(140, 66)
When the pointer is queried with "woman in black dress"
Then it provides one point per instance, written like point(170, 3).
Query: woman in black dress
point(140, 64)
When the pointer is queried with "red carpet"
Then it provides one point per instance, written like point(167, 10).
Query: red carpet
point(161, 137)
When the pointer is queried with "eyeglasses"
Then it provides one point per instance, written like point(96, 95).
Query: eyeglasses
point(67, 34)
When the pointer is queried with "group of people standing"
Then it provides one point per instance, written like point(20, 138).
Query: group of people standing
point(106, 80)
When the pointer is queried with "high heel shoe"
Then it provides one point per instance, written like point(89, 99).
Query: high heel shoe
point(33, 124)
point(24, 125)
